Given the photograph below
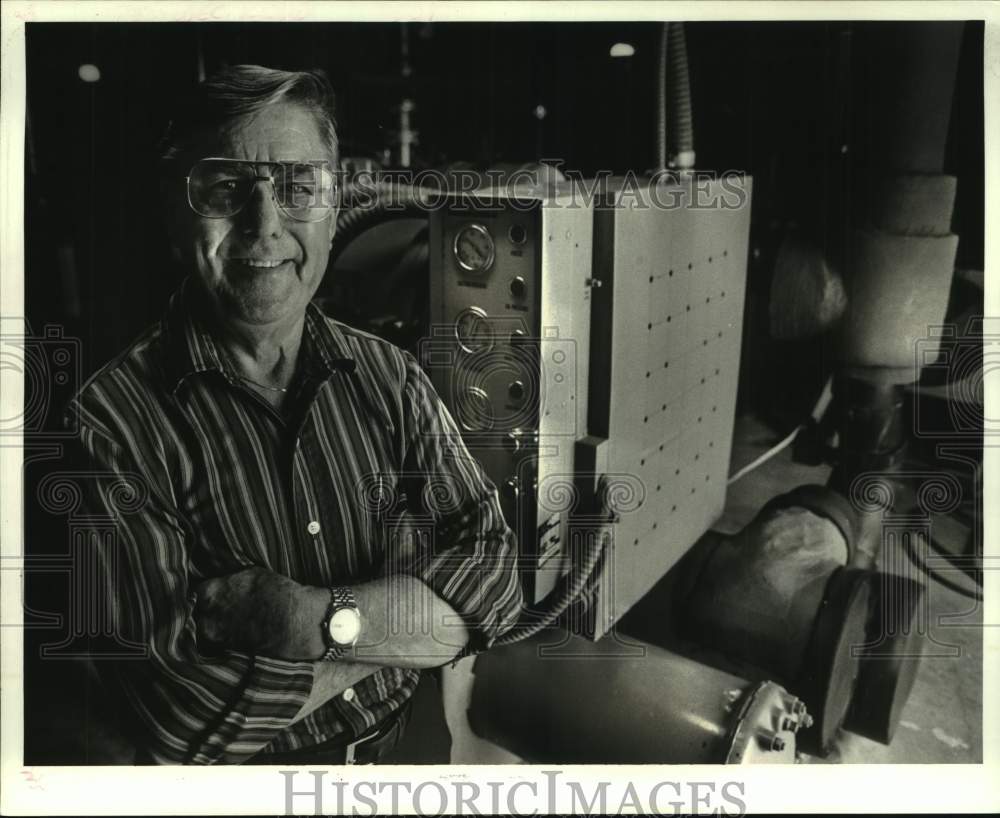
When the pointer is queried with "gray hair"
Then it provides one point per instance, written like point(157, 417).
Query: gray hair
point(238, 91)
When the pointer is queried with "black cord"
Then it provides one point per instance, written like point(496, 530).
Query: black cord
point(974, 571)
point(558, 601)
point(918, 561)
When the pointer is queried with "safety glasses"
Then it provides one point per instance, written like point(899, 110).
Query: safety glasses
point(220, 188)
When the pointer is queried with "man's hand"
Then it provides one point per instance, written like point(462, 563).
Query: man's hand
point(259, 611)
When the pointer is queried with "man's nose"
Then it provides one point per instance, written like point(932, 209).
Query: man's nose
point(261, 216)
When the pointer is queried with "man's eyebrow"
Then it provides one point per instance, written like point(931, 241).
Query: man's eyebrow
point(321, 162)
point(314, 162)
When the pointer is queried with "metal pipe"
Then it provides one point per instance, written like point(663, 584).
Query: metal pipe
point(559, 698)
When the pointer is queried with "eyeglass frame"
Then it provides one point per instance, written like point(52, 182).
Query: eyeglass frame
point(258, 178)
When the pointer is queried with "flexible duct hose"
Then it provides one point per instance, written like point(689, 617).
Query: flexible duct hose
point(391, 202)
point(674, 118)
point(681, 123)
point(537, 618)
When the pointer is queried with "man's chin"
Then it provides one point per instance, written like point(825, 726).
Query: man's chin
point(265, 305)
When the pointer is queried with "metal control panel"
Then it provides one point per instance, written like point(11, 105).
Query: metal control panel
point(508, 351)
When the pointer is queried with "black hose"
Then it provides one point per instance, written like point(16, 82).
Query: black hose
point(540, 617)
point(918, 561)
point(971, 566)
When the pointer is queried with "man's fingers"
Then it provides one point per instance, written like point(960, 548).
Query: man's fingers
point(208, 592)
point(210, 610)
point(245, 608)
point(207, 630)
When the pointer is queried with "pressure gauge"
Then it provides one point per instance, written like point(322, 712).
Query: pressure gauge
point(475, 411)
point(474, 248)
point(473, 331)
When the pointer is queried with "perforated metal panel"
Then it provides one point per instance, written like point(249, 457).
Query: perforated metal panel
point(665, 343)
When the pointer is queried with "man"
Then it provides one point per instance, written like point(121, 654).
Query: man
point(281, 619)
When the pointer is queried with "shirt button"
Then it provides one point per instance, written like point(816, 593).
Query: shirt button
point(349, 694)
point(313, 527)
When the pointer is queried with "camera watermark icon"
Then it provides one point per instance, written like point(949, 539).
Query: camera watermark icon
point(498, 380)
point(50, 364)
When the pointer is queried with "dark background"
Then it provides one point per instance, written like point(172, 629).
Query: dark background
point(789, 103)
point(778, 100)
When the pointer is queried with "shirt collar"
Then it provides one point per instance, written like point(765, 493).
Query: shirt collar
point(194, 348)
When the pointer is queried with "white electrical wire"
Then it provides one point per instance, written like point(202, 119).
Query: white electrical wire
point(749, 467)
point(822, 403)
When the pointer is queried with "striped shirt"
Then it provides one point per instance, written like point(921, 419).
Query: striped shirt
point(324, 493)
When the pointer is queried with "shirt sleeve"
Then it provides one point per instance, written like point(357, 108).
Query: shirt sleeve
point(188, 707)
point(470, 560)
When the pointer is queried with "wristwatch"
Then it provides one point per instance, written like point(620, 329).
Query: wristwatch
point(341, 625)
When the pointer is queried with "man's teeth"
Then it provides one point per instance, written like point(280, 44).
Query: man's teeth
point(261, 263)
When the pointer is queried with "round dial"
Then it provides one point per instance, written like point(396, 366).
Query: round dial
point(345, 627)
point(473, 330)
point(475, 411)
point(474, 248)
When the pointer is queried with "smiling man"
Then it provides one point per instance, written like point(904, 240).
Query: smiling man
point(281, 618)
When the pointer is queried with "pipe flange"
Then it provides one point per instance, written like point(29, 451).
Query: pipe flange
point(764, 729)
point(889, 659)
point(830, 666)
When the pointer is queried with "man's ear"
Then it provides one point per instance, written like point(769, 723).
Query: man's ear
point(170, 214)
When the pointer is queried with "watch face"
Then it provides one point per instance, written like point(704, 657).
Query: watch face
point(345, 626)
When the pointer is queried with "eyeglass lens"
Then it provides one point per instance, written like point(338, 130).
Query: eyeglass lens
point(218, 188)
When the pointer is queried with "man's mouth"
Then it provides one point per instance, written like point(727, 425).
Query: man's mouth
point(262, 263)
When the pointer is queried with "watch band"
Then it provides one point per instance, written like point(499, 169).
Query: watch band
point(340, 597)
point(333, 653)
